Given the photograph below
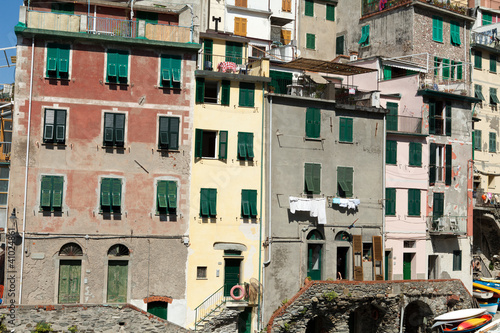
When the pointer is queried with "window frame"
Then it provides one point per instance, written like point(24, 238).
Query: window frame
point(246, 94)
point(477, 140)
point(313, 123)
point(437, 28)
point(391, 154)
point(248, 204)
point(415, 154)
point(457, 260)
point(55, 139)
point(60, 53)
point(309, 8)
point(171, 199)
point(414, 202)
point(455, 33)
point(349, 182)
point(310, 41)
point(493, 96)
point(478, 59)
point(493, 63)
point(390, 201)
point(478, 92)
point(171, 135)
point(330, 12)
point(119, 74)
point(346, 130)
point(52, 205)
point(114, 143)
point(169, 65)
point(220, 145)
point(209, 195)
point(112, 192)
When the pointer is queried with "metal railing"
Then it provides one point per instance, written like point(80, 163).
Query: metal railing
point(447, 225)
point(112, 27)
point(211, 304)
point(5, 149)
point(487, 38)
point(446, 83)
point(486, 199)
point(223, 63)
point(404, 124)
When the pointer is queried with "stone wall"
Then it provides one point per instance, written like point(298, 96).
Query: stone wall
point(338, 306)
point(88, 319)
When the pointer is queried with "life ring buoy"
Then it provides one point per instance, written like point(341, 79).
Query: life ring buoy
point(375, 314)
point(242, 292)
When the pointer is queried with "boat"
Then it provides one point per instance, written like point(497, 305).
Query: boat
point(469, 325)
point(482, 294)
point(490, 307)
point(460, 315)
point(493, 327)
point(484, 286)
point(494, 283)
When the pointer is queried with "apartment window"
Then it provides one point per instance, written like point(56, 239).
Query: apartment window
point(111, 195)
point(245, 146)
point(234, 52)
point(311, 41)
point(477, 140)
point(114, 129)
point(166, 197)
point(247, 94)
point(437, 206)
point(478, 92)
point(207, 91)
point(446, 69)
point(455, 33)
point(345, 182)
point(456, 67)
point(440, 118)
point(345, 129)
point(225, 92)
point(387, 73)
point(312, 178)
point(51, 193)
point(415, 157)
point(330, 12)
point(339, 45)
point(313, 123)
point(437, 28)
point(206, 144)
point(168, 133)
point(57, 61)
point(390, 201)
point(487, 19)
point(478, 59)
point(286, 5)
point(457, 260)
point(208, 202)
point(240, 26)
point(170, 71)
point(440, 164)
point(413, 202)
point(392, 116)
point(365, 36)
point(117, 67)
point(241, 3)
point(249, 203)
point(493, 142)
point(493, 63)
point(309, 8)
point(391, 151)
point(493, 96)
point(54, 129)
point(63, 8)
point(201, 272)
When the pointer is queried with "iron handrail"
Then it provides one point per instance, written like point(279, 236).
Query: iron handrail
point(209, 306)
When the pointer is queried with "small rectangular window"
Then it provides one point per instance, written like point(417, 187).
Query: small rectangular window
point(54, 129)
point(313, 123)
point(114, 129)
point(206, 144)
point(311, 41)
point(345, 129)
point(247, 94)
point(413, 202)
point(51, 194)
point(455, 33)
point(478, 92)
point(493, 142)
point(493, 63)
point(166, 197)
point(225, 93)
point(208, 202)
point(312, 178)
point(477, 140)
point(457, 260)
point(365, 36)
point(391, 152)
point(330, 12)
point(390, 201)
point(245, 146)
point(168, 133)
point(339, 45)
point(437, 28)
point(345, 182)
point(478, 59)
point(111, 195)
point(170, 71)
point(201, 272)
point(493, 96)
point(415, 154)
point(117, 66)
point(487, 19)
point(249, 203)
point(309, 8)
point(57, 61)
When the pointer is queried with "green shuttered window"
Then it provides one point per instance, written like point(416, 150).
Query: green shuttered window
point(111, 195)
point(311, 41)
point(226, 92)
point(339, 45)
point(487, 19)
point(345, 182)
point(280, 81)
point(437, 28)
point(208, 202)
point(245, 146)
point(493, 142)
point(478, 91)
point(200, 90)
point(168, 133)
point(437, 206)
point(234, 52)
point(457, 260)
point(392, 116)
point(345, 129)
point(312, 178)
point(208, 49)
point(247, 94)
point(365, 36)
point(446, 68)
point(51, 194)
point(493, 63)
point(387, 73)
point(313, 123)
point(493, 96)
point(166, 197)
point(249, 203)
point(455, 33)
point(448, 165)
point(170, 71)
point(54, 129)
point(330, 12)
point(459, 70)
point(114, 129)
point(415, 154)
point(57, 61)
point(413, 202)
point(477, 140)
point(391, 152)
point(390, 201)
point(448, 120)
point(117, 67)
point(478, 59)
point(309, 8)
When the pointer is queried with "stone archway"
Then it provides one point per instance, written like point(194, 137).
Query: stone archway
point(318, 324)
point(365, 319)
point(417, 315)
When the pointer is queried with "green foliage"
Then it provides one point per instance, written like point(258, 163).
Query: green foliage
point(330, 296)
point(3, 327)
point(287, 327)
point(42, 327)
point(304, 310)
point(73, 329)
point(491, 266)
point(283, 302)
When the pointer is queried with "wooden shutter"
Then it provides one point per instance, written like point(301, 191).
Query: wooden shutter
point(330, 12)
point(478, 59)
point(166, 66)
point(172, 194)
point(316, 178)
point(390, 201)
point(493, 142)
point(63, 65)
point(432, 118)
point(198, 143)
point(109, 121)
point(112, 66)
point(226, 92)
point(459, 70)
point(286, 36)
point(49, 123)
point(357, 246)
point(161, 194)
point(249, 145)
point(245, 204)
point(437, 29)
point(173, 142)
point(310, 122)
point(163, 132)
point(46, 192)
point(222, 145)
point(242, 147)
point(60, 125)
point(57, 191)
point(52, 59)
point(200, 90)
point(446, 68)
point(493, 63)
point(413, 202)
point(448, 159)
point(237, 26)
point(204, 202)
point(105, 192)
point(286, 5)
point(123, 66)
point(309, 8)
point(377, 257)
point(252, 198)
point(432, 164)
point(308, 175)
point(348, 174)
point(213, 202)
point(116, 192)
point(241, 3)
point(243, 28)
point(119, 129)
point(251, 94)
point(316, 123)
point(448, 120)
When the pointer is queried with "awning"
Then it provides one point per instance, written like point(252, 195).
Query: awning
point(404, 65)
point(328, 67)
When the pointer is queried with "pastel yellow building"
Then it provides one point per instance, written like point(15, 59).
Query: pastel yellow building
point(227, 182)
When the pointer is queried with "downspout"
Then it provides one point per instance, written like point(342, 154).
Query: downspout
point(192, 21)
point(132, 17)
point(261, 195)
point(26, 169)
point(383, 195)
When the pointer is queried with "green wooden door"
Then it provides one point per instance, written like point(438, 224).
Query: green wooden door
point(407, 266)
point(314, 261)
point(69, 281)
point(117, 281)
point(245, 321)
point(208, 50)
point(159, 309)
point(231, 274)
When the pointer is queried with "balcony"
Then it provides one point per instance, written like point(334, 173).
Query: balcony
point(232, 64)
point(447, 225)
point(486, 199)
point(372, 6)
point(107, 26)
point(487, 38)
point(282, 53)
point(404, 124)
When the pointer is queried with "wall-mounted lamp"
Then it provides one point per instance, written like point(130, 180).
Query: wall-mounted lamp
point(13, 218)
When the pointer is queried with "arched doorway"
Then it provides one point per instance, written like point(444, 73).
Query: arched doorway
point(318, 325)
point(365, 319)
point(343, 239)
point(70, 272)
point(118, 257)
point(416, 316)
point(315, 242)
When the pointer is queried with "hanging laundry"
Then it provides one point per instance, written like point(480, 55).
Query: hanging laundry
point(315, 207)
point(346, 203)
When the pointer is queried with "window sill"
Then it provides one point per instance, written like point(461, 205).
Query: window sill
point(166, 150)
point(201, 278)
point(414, 215)
point(57, 78)
point(415, 166)
point(114, 147)
point(62, 144)
point(313, 139)
point(247, 106)
point(346, 142)
point(169, 88)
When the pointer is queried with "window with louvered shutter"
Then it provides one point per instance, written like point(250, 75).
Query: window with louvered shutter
point(391, 152)
point(54, 126)
point(415, 157)
point(249, 203)
point(114, 129)
point(170, 71)
point(357, 250)
point(313, 123)
point(345, 182)
point(225, 92)
point(57, 65)
point(437, 28)
point(222, 145)
point(312, 177)
point(345, 129)
point(413, 202)
point(168, 133)
point(117, 66)
point(51, 193)
point(390, 201)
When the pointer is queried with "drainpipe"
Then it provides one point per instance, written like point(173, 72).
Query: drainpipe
point(261, 195)
point(132, 17)
point(383, 196)
point(401, 321)
point(26, 169)
point(192, 21)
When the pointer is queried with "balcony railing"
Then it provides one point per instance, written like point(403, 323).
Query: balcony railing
point(233, 64)
point(448, 83)
point(374, 6)
point(283, 53)
point(404, 124)
point(486, 199)
point(487, 38)
point(107, 26)
point(447, 225)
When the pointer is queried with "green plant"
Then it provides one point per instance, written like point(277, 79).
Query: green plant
point(283, 302)
point(330, 296)
point(3, 327)
point(43, 327)
point(73, 329)
point(490, 266)
point(286, 327)
point(304, 310)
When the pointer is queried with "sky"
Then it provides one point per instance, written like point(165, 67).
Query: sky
point(8, 19)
